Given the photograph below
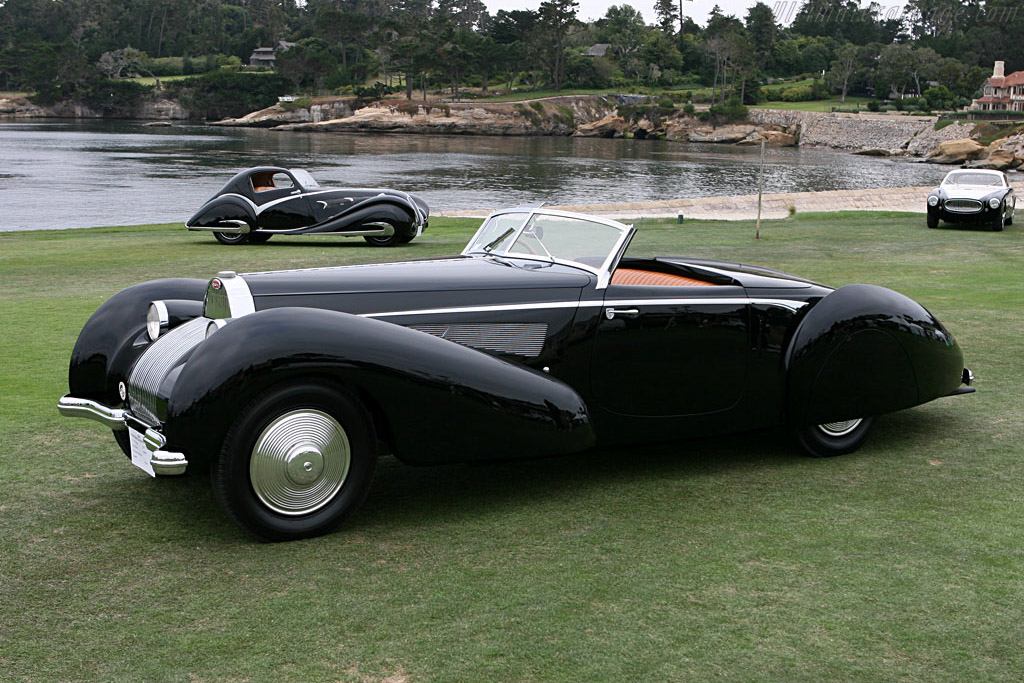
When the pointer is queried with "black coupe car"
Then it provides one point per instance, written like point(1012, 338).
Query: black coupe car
point(973, 196)
point(541, 338)
point(265, 201)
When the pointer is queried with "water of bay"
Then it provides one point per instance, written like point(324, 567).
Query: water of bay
point(56, 174)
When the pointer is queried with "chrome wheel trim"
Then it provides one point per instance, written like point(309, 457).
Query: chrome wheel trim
point(841, 428)
point(300, 462)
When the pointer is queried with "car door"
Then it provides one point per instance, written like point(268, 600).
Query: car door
point(671, 351)
point(281, 204)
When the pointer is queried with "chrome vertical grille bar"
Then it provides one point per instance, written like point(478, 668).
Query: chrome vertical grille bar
point(155, 363)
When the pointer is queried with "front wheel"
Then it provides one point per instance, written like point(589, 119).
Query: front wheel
point(297, 462)
point(394, 239)
point(231, 237)
point(933, 220)
point(999, 220)
point(834, 438)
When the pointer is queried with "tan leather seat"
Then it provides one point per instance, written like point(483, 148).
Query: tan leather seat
point(630, 276)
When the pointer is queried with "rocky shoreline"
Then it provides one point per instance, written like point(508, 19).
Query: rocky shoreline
point(626, 116)
point(602, 116)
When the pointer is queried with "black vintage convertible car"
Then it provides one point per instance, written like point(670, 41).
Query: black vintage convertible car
point(541, 338)
point(265, 201)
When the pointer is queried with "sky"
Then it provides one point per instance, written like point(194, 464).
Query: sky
point(595, 9)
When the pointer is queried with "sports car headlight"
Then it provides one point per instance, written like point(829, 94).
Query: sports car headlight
point(213, 326)
point(157, 319)
point(933, 200)
point(994, 203)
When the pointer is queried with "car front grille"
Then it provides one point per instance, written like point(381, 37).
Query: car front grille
point(963, 205)
point(152, 368)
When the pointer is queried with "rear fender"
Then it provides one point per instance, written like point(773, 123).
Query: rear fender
point(106, 346)
point(443, 402)
point(866, 350)
point(223, 212)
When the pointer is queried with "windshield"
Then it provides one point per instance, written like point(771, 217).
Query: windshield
point(967, 178)
point(550, 236)
point(304, 178)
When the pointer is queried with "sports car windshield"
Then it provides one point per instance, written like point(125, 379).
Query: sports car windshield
point(550, 236)
point(968, 178)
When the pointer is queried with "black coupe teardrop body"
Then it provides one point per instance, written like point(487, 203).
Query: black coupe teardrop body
point(540, 339)
point(261, 202)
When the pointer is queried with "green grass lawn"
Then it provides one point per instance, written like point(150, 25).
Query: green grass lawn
point(734, 558)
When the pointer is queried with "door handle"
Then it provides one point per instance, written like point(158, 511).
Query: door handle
point(611, 313)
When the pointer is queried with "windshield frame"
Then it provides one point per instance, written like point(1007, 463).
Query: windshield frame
point(301, 176)
point(602, 272)
point(1000, 178)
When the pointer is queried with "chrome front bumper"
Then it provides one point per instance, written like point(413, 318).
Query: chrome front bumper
point(163, 462)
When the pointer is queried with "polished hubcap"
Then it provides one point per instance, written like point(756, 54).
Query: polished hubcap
point(300, 462)
point(840, 428)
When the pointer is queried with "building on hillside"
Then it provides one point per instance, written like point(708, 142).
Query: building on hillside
point(262, 56)
point(598, 50)
point(267, 56)
point(1002, 92)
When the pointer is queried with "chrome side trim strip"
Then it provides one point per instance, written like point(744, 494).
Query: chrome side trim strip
point(709, 301)
point(112, 418)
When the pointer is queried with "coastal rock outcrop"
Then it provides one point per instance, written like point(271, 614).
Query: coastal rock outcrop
point(610, 126)
point(1002, 155)
point(957, 151)
point(285, 113)
point(552, 116)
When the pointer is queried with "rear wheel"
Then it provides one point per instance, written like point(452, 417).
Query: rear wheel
point(231, 237)
point(933, 220)
point(834, 438)
point(296, 463)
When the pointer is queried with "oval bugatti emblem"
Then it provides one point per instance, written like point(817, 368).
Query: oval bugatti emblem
point(122, 390)
point(216, 284)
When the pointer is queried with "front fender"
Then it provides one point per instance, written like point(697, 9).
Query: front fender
point(442, 402)
point(866, 350)
point(106, 348)
point(369, 211)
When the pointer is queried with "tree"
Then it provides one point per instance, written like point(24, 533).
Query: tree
point(843, 68)
point(557, 16)
point(309, 61)
point(761, 30)
point(668, 14)
point(623, 27)
point(894, 66)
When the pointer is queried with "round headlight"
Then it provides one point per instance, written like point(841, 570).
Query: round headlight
point(156, 319)
point(994, 202)
point(213, 326)
point(933, 200)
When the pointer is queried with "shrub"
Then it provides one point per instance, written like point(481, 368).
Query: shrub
point(874, 105)
point(666, 103)
point(689, 109)
point(223, 93)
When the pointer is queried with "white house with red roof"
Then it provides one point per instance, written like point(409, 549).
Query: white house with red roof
point(1002, 92)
